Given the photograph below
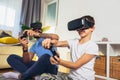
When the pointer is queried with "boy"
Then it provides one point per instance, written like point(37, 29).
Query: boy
point(83, 51)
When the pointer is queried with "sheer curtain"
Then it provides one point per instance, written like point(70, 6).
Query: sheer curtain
point(10, 11)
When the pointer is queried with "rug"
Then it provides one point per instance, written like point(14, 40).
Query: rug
point(44, 76)
point(2, 78)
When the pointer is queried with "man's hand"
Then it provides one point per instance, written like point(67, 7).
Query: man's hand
point(24, 42)
point(32, 33)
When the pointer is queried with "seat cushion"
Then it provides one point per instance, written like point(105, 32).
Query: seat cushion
point(6, 37)
point(6, 31)
point(9, 40)
point(4, 34)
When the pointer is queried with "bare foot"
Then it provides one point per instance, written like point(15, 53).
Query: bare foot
point(19, 76)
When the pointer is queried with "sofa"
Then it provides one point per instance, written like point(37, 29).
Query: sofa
point(5, 51)
point(8, 48)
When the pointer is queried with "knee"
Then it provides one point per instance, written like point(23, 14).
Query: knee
point(44, 58)
point(11, 57)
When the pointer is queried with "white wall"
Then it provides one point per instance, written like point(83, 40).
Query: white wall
point(105, 12)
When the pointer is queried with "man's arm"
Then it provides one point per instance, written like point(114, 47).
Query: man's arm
point(27, 56)
point(50, 35)
point(42, 35)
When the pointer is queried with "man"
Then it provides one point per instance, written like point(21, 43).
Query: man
point(83, 50)
point(25, 65)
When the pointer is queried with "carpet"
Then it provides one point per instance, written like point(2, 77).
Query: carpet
point(3, 78)
point(44, 76)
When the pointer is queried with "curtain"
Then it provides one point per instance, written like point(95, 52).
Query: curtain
point(31, 11)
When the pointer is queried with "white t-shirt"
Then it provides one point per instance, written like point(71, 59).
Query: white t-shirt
point(85, 72)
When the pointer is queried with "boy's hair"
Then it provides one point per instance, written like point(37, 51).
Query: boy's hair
point(89, 18)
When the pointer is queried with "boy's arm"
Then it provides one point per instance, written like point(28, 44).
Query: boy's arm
point(73, 65)
point(48, 42)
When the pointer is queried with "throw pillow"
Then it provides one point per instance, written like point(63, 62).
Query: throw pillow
point(45, 29)
point(9, 40)
point(4, 34)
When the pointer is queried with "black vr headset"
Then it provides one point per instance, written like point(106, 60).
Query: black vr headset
point(80, 23)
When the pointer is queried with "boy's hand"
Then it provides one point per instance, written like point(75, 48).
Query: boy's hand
point(46, 43)
point(55, 60)
point(49, 42)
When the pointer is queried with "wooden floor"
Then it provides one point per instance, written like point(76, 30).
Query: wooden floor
point(6, 70)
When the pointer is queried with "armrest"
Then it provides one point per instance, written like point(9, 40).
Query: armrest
point(11, 50)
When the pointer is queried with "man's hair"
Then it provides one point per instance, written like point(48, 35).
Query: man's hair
point(36, 25)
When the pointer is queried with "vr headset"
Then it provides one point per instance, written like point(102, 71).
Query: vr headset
point(80, 23)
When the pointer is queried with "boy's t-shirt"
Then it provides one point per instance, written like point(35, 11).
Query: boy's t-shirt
point(85, 72)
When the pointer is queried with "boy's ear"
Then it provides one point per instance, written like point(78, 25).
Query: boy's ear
point(93, 28)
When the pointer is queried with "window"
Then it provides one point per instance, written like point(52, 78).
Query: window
point(10, 15)
point(50, 14)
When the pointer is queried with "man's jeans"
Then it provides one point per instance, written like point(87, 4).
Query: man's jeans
point(32, 68)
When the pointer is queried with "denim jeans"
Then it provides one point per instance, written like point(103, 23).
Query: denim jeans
point(32, 68)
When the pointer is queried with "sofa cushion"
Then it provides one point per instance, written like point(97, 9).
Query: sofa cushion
point(4, 34)
point(9, 40)
point(6, 31)
point(6, 37)
point(45, 29)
